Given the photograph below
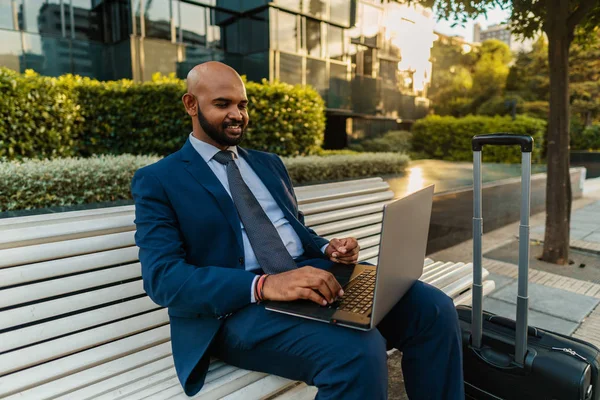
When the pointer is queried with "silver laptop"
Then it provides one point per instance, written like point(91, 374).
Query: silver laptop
point(370, 292)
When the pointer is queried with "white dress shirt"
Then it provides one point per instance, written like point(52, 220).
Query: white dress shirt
point(287, 233)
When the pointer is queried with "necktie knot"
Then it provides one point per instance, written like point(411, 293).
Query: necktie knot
point(224, 156)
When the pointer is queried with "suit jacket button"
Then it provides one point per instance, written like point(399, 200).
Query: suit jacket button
point(241, 260)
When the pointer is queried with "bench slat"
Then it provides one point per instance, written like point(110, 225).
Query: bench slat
point(459, 286)
point(65, 231)
point(338, 226)
point(164, 387)
point(465, 298)
point(52, 218)
point(450, 277)
point(54, 328)
point(43, 373)
point(331, 194)
point(357, 233)
point(64, 266)
point(338, 204)
point(70, 284)
point(68, 248)
point(439, 270)
point(23, 358)
point(343, 214)
point(52, 308)
point(300, 392)
point(340, 185)
point(95, 381)
point(256, 390)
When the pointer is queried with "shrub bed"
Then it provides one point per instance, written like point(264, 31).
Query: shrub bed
point(449, 138)
point(44, 117)
point(30, 184)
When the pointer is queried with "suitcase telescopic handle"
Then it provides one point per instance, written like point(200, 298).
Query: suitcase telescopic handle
point(526, 143)
point(505, 139)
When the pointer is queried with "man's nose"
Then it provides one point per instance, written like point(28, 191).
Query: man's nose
point(235, 114)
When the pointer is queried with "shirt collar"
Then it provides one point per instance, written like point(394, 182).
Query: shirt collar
point(206, 150)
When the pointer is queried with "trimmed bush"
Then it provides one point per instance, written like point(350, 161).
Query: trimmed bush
point(396, 141)
point(38, 117)
point(31, 184)
point(537, 109)
point(45, 117)
point(586, 139)
point(449, 138)
point(337, 167)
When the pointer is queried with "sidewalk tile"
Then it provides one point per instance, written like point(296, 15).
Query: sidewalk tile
point(535, 318)
point(499, 280)
point(557, 302)
point(594, 237)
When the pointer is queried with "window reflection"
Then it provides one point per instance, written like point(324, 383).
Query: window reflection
point(291, 4)
point(290, 68)
point(370, 24)
point(214, 31)
point(335, 42)
point(313, 37)
point(340, 11)
point(157, 17)
point(287, 32)
point(10, 51)
point(316, 8)
point(6, 15)
point(193, 24)
point(40, 16)
point(316, 75)
point(83, 20)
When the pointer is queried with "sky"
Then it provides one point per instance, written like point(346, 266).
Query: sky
point(494, 16)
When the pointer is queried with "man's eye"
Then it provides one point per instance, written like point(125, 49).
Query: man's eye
point(243, 106)
point(221, 105)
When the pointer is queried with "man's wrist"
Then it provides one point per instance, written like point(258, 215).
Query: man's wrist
point(324, 248)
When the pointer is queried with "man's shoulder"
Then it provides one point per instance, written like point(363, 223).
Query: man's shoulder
point(162, 167)
point(263, 155)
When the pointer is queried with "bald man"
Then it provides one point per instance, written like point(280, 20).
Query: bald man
point(219, 231)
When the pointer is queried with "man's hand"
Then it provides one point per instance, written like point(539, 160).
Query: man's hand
point(343, 251)
point(303, 283)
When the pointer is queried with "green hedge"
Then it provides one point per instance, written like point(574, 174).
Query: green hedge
point(396, 141)
point(30, 184)
point(38, 117)
point(449, 138)
point(587, 138)
point(71, 115)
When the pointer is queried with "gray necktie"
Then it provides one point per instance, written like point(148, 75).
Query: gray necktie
point(270, 251)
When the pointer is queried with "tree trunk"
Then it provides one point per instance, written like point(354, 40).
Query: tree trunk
point(558, 187)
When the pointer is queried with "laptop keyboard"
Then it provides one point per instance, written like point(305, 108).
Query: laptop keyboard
point(358, 298)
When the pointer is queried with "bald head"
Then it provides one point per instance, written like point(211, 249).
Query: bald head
point(203, 75)
point(216, 100)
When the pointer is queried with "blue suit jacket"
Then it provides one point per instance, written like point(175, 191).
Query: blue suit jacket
point(191, 248)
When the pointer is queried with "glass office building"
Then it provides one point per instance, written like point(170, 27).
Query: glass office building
point(350, 51)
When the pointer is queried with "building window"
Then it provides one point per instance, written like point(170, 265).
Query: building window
point(316, 75)
point(316, 8)
point(340, 12)
point(40, 16)
point(192, 28)
point(157, 19)
point(313, 37)
point(287, 32)
point(387, 71)
point(290, 68)
point(6, 15)
point(291, 4)
point(370, 24)
point(335, 42)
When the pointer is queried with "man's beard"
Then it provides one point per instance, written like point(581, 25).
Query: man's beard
point(219, 135)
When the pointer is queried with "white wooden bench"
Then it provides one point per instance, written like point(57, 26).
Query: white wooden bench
point(75, 322)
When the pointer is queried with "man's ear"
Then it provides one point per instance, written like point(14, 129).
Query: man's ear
point(190, 103)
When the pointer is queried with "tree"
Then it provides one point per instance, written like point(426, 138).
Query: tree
point(560, 20)
point(529, 75)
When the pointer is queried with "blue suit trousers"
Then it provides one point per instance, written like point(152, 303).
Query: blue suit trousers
point(350, 364)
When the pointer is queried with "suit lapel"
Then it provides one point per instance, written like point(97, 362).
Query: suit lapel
point(201, 172)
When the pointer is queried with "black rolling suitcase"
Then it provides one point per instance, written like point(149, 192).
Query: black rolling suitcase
point(504, 359)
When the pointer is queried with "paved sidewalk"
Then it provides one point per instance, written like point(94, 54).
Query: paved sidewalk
point(558, 303)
